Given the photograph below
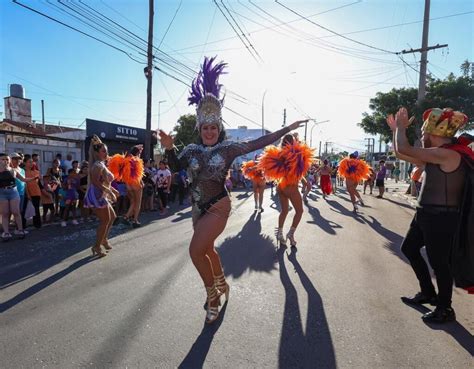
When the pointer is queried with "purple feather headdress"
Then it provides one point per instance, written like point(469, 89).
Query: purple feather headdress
point(205, 93)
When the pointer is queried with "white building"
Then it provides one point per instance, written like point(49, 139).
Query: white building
point(240, 134)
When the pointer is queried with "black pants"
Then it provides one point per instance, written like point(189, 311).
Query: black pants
point(46, 208)
point(163, 197)
point(435, 231)
point(35, 200)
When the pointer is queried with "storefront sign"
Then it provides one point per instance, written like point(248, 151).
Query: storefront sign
point(115, 132)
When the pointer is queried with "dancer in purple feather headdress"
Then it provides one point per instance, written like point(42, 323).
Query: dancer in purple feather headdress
point(208, 163)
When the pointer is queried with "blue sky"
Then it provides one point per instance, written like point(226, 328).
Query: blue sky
point(305, 69)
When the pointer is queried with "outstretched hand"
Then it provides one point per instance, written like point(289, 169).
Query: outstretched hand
point(401, 118)
point(297, 124)
point(391, 122)
point(166, 139)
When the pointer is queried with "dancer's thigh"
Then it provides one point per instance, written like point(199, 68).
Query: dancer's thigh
point(102, 214)
point(284, 202)
point(211, 225)
point(295, 197)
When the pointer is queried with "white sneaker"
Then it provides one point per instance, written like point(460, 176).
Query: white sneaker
point(63, 224)
point(75, 222)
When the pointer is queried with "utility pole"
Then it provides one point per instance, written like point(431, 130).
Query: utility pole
point(370, 148)
point(284, 118)
point(305, 131)
point(263, 113)
point(42, 115)
point(424, 58)
point(148, 75)
point(159, 111)
point(320, 149)
point(424, 54)
point(326, 147)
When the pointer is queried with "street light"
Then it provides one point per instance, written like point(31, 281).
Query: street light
point(159, 104)
point(263, 113)
point(311, 132)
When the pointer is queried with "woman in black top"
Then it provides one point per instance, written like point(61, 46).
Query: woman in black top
point(10, 198)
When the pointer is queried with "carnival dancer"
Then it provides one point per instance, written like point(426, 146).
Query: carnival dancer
point(325, 173)
point(255, 174)
point(208, 163)
point(437, 218)
point(287, 166)
point(100, 194)
point(129, 168)
point(307, 183)
point(354, 170)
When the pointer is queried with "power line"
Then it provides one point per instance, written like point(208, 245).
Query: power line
point(172, 20)
point(77, 30)
point(235, 31)
point(295, 34)
point(242, 32)
point(334, 32)
point(124, 17)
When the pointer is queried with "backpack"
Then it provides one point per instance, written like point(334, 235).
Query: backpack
point(462, 255)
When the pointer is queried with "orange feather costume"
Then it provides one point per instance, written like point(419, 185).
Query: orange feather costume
point(251, 171)
point(127, 168)
point(286, 165)
point(354, 169)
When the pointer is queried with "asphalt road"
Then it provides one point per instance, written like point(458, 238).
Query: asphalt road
point(333, 303)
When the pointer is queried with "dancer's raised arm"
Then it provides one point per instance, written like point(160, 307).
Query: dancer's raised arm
point(242, 148)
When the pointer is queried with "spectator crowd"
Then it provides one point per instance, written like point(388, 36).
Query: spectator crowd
point(57, 197)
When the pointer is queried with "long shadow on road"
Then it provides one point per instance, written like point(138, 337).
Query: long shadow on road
point(313, 349)
point(249, 250)
point(44, 283)
point(198, 353)
point(394, 240)
point(326, 225)
point(455, 329)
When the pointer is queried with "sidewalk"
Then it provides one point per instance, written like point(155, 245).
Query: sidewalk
point(398, 190)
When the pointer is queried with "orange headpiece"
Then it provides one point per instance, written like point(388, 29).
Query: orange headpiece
point(443, 122)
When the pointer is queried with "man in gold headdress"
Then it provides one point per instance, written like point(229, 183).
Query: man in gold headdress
point(437, 215)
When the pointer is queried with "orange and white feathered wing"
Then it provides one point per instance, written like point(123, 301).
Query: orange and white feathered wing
point(126, 168)
point(286, 165)
point(354, 169)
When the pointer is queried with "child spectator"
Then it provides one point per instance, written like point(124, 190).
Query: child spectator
point(47, 199)
point(72, 185)
point(62, 194)
point(148, 192)
point(163, 183)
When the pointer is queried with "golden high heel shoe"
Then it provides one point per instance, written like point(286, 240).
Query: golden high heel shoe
point(212, 312)
point(107, 246)
point(291, 236)
point(222, 287)
point(97, 250)
point(280, 239)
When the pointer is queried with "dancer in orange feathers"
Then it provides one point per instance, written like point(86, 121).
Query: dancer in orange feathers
point(354, 170)
point(255, 174)
point(287, 165)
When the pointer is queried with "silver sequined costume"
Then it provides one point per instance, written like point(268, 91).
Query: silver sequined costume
point(208, 165)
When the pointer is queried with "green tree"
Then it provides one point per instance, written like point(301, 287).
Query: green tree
point(453, 92)
point(467, 68)
point(185, 130)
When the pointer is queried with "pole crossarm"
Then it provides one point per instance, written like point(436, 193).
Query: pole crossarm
point(411, 51)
